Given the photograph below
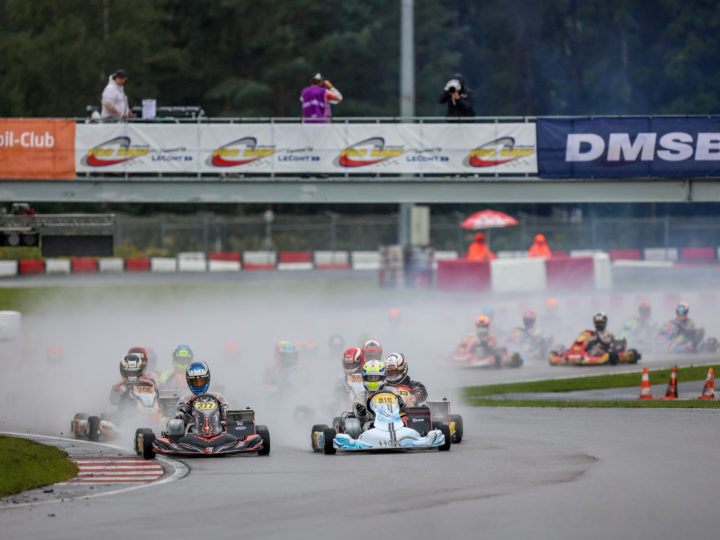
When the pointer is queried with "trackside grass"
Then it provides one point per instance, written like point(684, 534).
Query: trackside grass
point(27, 465)
point(476, 395)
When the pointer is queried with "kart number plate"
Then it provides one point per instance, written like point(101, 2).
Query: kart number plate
point(354, 379)
point(205, 405)
point(385, 399)
point(403, 392)
point(144, 389)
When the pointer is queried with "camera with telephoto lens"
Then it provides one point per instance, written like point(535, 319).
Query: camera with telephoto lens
point(452, 86)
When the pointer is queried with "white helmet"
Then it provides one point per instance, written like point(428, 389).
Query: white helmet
point(131, 367)
point(396, 367)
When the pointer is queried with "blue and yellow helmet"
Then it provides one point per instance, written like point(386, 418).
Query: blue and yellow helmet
point(374, 375)
point(182, 357)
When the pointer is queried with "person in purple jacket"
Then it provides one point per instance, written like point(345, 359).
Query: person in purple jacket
point(317, 98)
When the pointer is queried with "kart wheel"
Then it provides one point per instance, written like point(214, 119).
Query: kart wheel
point(328, 435)
point(448, 438)
point(93, 428)
point(614, 358)
point(317, 428)
point(264, 433)
point(140, 434)
point(457, 439)
point(148, 451)
point(517, 360)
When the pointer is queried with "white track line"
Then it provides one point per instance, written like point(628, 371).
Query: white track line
point(179, 471)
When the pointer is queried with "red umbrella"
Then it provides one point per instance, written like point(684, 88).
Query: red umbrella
point(488, 219)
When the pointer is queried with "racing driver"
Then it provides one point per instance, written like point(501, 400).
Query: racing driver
point(398, 379)
point(602, 339)
point(374, 380)
point(131, 371)
point(197, 376)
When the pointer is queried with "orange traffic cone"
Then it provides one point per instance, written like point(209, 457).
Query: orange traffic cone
point(709, 388)
point(645, 390)
point(672, 385)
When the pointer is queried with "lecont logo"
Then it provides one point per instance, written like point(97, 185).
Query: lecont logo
point(114, 151)
point(498, 152)
point(240, 152)
point(368, 152)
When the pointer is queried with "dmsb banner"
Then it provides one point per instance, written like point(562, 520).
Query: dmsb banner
point(629, 147)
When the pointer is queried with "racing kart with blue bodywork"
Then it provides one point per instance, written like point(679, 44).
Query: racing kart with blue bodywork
point(388, 431)
point(673, 338)
point(205, 434)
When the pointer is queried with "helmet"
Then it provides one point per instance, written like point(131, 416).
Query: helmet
point(551, 304)
point(372, 350)
point(140, 351)
point(182, 356)
point(529, 319)
point(374, 375)
point(396, 367)
point(600, 320)
point(644, 310)
point(482, 325)
point(286, 353)
point(197, 376)
point(336, 345)
point(131, 367)
point(353, 360)
point(488, 311)
point(682, 310)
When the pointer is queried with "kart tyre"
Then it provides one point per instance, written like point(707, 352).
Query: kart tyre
point(329, 435)
point(317, 428)
point(264, 433)
point(458, 436)
point(93, 428)
point(148, 451)
point(78, 416)
point(613, 357)
point(498, 361)
point(445, 431)
point(517, 360)
point(140, 434)
point(352, 427)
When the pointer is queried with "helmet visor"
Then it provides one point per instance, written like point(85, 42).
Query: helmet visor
point(375, 377)
point(130, 373)
point(198, 380)
point(681, 311)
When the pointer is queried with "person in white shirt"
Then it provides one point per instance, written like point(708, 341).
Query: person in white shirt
point(114, 101)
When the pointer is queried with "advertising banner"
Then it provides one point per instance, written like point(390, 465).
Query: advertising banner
point(37, 148)
point(629, 147)
point(307, 148)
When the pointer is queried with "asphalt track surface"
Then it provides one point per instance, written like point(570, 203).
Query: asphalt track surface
point(519, 473)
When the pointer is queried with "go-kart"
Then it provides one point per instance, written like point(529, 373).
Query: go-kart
point(206, 435)
point(578, 355)
point(388, 431)
point(469, 353)
point(672, 338)
point(530, 348)
point(143, 402)
point(439, 410)
point(640, 337)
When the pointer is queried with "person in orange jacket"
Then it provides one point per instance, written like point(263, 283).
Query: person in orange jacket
point(539, 247)
point(479, 250)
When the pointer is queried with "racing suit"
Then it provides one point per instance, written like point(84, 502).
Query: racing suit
point(688, 331)
point(601, 342)
point(410, 391)
point(484, 346)
point(120, 393)
point(638, 329)
point(363, 411)
point(172, 378)
point(185, 407)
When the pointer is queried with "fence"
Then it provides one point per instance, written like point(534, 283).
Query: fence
point(173, 234)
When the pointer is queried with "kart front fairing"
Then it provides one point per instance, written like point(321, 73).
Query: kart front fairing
point(388, 431)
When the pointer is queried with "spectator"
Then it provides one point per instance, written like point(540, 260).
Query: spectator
point(114, 101)
point(317, 98)
point(479, 250)
point(459, 98)
point(539, 247)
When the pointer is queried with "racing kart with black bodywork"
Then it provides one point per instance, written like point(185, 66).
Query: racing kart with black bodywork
point(673, 338)
point(388, 431)
point(471, 354)
point(578, 354)
point(206, 434)
point(142, 403)
point(529, 348)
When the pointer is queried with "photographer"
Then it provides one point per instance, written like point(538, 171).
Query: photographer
point(459, 98)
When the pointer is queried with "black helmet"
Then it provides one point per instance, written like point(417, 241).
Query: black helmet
point(600, 320)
